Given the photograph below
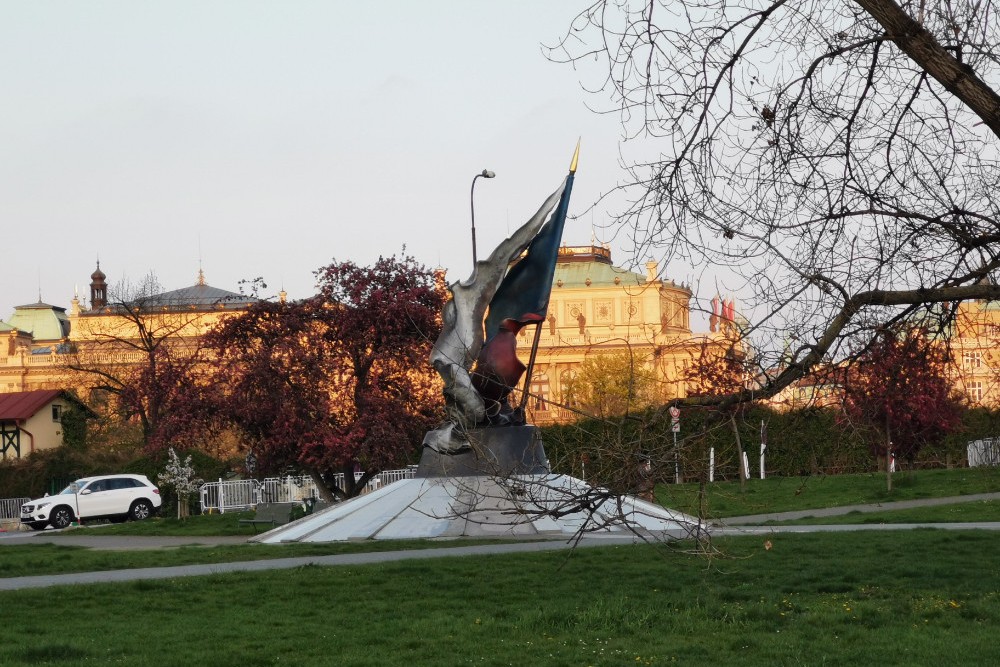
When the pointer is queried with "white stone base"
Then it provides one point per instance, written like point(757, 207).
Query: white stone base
point(521, 506)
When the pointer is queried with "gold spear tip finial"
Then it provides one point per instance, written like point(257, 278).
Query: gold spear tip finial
point(576, 158)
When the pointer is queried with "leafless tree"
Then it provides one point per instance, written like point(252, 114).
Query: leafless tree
point(142, 349)
point(839, 159)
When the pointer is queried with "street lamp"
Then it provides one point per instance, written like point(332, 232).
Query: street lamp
point(472, 203)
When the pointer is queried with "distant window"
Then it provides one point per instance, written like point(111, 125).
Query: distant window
point(972, 359)
point(57, 411)
point(974, 391)
point(567, 386)
point(540, 393)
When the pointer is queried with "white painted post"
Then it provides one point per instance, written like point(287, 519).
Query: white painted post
point(763, 446)
point(746, 465)
point(711, 464)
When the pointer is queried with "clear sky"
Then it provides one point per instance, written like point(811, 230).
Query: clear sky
point(269, 138)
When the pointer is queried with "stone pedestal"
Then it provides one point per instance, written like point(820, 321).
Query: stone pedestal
point(501, 487)
point(498, 451)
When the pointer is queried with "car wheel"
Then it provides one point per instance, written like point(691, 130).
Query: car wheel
point(38, 525)
point(61, 517)
point(141, 509)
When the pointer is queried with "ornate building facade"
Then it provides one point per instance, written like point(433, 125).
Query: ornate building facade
point(975, 347)
point(40, 342)
point(597, 309)
point(973, 341)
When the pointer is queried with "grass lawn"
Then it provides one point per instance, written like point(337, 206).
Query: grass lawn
point(200, 525)
point(921, 597)
point(34, 559)
point(981, 510)
point(782, 494)
point(725, 499)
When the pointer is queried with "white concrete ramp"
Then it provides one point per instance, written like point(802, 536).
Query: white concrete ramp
point(481, 506)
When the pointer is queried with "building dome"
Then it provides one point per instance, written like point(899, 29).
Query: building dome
point(42, 320)
point(98, 274)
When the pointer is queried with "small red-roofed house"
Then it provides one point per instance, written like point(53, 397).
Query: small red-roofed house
point(32, 420)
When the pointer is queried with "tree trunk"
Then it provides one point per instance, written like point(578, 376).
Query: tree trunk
point(325, 493)
point(183, 506)
point(927, 53)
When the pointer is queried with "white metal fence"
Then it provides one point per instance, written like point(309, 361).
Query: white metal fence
point(984, 452)
point(10, 508)
point(243, 494)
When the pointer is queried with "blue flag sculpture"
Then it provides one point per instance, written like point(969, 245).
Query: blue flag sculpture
point(480, 367)
point(526, 287)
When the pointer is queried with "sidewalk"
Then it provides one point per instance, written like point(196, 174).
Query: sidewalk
point(847, 509)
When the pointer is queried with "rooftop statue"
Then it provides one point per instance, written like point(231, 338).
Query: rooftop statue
point(480, 366)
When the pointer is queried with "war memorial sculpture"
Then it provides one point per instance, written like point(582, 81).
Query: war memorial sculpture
point(476, 353)
point(484, 472)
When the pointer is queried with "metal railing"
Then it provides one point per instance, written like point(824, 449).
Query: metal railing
point(984, 452)
point(244, 494)
point(233, 495)
point(287, 489)
point(10, 508)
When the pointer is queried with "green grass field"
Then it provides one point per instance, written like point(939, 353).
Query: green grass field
point(784, 494)
point(193, 526)
point(725, 499)
point(921, 597)
point(46, 558)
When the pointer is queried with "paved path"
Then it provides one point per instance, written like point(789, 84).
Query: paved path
point(730, 526)
point(730, 531)
point(847, 509)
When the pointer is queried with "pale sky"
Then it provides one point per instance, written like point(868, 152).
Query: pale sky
point(269, 138)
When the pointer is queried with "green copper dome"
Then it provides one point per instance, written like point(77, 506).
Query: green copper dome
point(42, 320)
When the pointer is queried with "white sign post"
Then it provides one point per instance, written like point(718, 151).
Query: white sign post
point(763, 446)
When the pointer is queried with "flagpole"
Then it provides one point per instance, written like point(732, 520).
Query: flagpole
point(529, 371)
point(531, 365)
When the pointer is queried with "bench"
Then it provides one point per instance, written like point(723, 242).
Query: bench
point(270, 514)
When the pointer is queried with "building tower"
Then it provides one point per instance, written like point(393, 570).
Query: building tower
point(98, 289)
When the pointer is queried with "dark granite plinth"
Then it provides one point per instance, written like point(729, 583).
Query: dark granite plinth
point(496, 451)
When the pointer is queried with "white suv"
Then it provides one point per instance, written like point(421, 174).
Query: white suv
point(115, 497)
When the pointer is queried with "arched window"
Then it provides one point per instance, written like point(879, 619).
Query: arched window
point(567, 389)
point(539, 399)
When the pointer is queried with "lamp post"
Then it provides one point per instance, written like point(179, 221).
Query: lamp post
point(472, 204)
